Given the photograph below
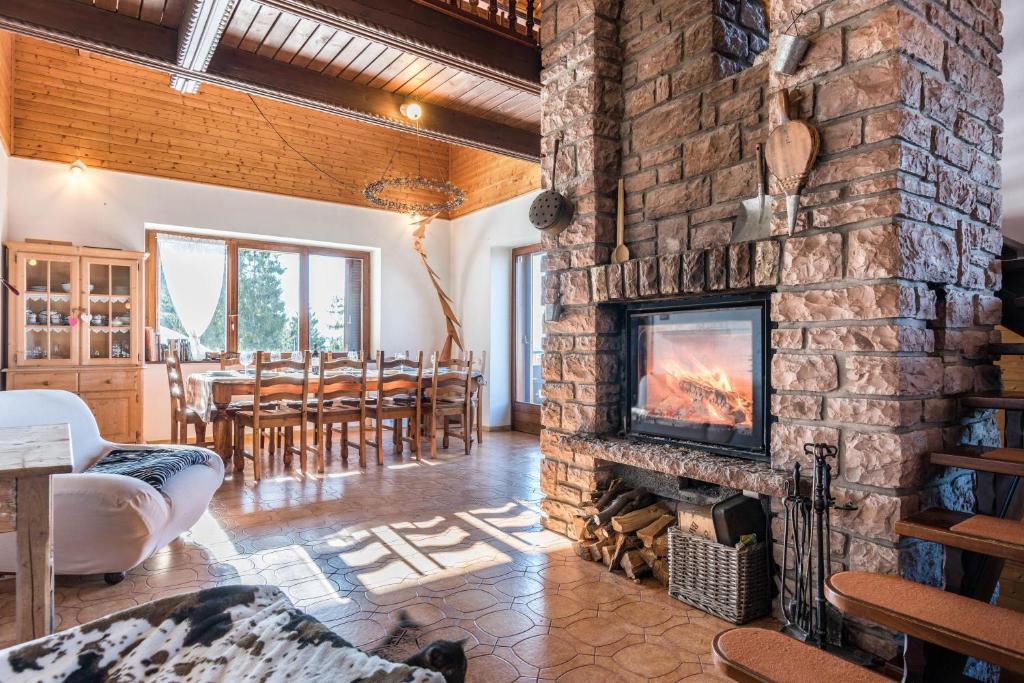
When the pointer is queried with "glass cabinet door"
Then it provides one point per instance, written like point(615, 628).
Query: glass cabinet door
point(109, 312)
point(49, 302)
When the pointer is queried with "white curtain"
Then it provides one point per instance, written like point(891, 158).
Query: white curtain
point(194, 274)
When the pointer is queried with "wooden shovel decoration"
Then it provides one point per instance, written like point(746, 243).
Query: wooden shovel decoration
point(791, 150)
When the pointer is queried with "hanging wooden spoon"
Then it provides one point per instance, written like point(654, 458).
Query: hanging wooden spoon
point(621, 253)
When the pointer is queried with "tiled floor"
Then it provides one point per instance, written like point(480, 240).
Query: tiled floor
point(456, 542)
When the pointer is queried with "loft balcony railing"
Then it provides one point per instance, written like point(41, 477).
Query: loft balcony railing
point(517, 19)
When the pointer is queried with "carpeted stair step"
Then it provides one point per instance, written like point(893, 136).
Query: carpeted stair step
point(757, 655)
point(970, 627)
point(982, 534)
point(996, 460)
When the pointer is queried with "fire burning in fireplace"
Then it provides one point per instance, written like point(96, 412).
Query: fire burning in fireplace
point(697, 375)
point(699, 394)
point(702, 378)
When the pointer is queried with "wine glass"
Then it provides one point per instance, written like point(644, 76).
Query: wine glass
point(245, 358)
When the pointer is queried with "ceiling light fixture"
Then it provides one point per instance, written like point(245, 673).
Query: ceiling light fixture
point(78, 168)
point(412, 110)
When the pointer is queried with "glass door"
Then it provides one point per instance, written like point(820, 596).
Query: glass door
point(110, 307)
point(527, 335)
point(49, 303)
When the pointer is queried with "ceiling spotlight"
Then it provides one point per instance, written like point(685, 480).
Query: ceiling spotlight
point(77, 168)
point(412, 110)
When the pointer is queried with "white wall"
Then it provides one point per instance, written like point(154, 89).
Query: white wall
point(1013, 117)
point(111, 209)
point(482, 244)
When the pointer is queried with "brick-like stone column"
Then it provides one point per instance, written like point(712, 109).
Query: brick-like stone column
point(886, 301)
point(582, 95)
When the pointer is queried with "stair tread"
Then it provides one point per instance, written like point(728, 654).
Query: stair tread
point(757, 654)
point(1009, 400)
point(1007, 349)
point(977, 533)
point(971, 627)
point(982, 459)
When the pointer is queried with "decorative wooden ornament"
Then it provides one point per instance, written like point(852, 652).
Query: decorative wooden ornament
point(790, 152)
point(452, 324)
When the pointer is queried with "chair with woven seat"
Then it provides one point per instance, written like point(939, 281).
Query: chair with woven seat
point(450, 395)
point(399, 397)
point(340, 399)
point(182, 414)
point(276, 382)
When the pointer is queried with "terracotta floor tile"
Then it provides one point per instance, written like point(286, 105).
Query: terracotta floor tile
point(457, 546)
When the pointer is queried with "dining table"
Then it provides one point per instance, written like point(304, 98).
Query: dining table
point(211, 393)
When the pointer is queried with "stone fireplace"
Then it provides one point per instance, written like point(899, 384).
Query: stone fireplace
point(880, 304)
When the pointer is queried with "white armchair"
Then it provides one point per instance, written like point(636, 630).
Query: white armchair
point(104, 523)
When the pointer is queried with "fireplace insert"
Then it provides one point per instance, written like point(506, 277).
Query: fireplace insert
point(698, 373)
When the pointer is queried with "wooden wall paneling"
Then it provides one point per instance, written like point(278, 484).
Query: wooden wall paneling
point(7, 90)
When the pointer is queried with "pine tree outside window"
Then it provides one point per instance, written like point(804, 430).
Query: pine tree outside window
point(269, 297)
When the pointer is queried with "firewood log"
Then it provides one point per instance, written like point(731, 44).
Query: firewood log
point(660, 546)
point(582, 549)
point(638, 519)
point(579, 527)
point(634, 566)
point(623, 544)
point(656, 528)
point(648, 556)
point(660, 571)
point(616, 506)
point(597, 550)
point(602, 532)
point(615, 487)
point(606, 554)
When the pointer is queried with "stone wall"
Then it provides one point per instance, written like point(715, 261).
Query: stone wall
point(884, 302)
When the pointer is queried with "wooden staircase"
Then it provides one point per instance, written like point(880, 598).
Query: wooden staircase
point(943, 628)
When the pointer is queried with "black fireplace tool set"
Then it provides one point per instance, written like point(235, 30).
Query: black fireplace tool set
point(802, 597)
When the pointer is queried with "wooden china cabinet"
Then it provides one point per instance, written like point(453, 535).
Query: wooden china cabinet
point(77, 326)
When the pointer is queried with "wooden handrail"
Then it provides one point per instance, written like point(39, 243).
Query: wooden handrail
point(513, 18)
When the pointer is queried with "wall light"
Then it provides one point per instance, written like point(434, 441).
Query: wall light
point(412, 110)
point(78, 168)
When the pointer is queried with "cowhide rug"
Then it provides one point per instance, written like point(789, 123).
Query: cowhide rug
point(233, 633)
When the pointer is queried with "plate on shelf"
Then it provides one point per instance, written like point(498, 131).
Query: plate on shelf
point(37, 288)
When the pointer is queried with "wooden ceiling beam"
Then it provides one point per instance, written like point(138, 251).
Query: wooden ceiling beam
point(202, 26)
point(307, 88)
point(83, 26)
point(427, 33)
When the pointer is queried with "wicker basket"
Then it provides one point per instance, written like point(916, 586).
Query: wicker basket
point(727, 582)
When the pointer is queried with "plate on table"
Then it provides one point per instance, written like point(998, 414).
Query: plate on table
point(222, 373)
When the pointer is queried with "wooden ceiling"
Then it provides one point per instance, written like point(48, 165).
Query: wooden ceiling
point(291, 39)
point(479, 83)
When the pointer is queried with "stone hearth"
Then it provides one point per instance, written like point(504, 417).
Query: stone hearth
point(882, 299)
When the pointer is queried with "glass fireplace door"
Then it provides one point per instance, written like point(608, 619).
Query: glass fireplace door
point(697, 374)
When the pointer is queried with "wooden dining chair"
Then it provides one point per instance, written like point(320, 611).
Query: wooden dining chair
point(340, 399)
point(450, 395)
point(478, 397)
point(182, 414)
point(398, 397)
point(276, 383)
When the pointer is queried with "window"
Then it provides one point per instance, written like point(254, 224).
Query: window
point(242, 295)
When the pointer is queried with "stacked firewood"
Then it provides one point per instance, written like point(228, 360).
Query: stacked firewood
point(626, 528)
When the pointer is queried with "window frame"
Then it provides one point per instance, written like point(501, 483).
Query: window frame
point(233, 244)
